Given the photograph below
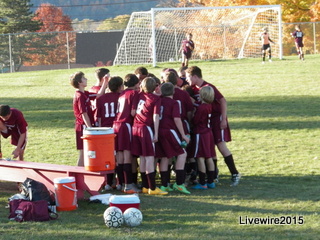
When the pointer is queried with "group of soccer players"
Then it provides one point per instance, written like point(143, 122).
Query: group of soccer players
point(170, 124)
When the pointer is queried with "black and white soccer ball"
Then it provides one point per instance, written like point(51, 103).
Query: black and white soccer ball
point(113, 217)
point(132, 217)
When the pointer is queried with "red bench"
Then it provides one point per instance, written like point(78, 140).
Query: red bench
point(86, 181)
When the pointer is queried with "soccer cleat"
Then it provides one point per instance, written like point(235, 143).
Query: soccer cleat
point(180, 188)
point(262, 62)
point(200, 187)
point(108, 187)
point(131, 190)
point(270, 60)
point(235, 178)
point(145, 190)
point(156, 191)
point(119, 187)
point(166, 189)
point(211, 185)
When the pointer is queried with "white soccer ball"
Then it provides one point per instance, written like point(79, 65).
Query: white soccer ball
point(132, 217)
point(113, 217)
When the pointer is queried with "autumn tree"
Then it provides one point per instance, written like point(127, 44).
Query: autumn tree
point(55, 24)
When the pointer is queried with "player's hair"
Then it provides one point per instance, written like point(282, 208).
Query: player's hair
point(101, 72)
point(265, 29)
point(4, 110)
point(148, 85)
point(183, 68)
point(76, 78)
point(194, 70)
point(130, 80)
point(297, 27)
point(167, 89)
point(115, 83)
point(207, 94)
point(188, 89)
point(189, 34)
point(142, 71)
point(170, 77)
point(158, 82)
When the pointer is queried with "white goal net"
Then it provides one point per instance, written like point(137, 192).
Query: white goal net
point(218, 33)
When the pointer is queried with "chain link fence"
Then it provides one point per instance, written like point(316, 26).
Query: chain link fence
point(62, 50)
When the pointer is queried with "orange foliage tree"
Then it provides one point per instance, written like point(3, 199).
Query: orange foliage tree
point(52, 37)
point(292, 10)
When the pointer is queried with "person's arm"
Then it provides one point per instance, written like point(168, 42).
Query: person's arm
point(179, 125)
point(104, 86)
point(223, 104)
point(86, 119)
point(156, 127)
point(17, 150)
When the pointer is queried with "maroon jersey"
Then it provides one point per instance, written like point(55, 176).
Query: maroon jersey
point(107, 108)
point(298, 38)
point(187, 50)
point(16, 125)
point(169, 111)
point(216, 108)
point(185, 103)
point(81, 104)
point(125, 103)
point(202, 118)
point(146, 104)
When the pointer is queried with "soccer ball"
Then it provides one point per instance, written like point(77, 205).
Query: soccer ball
point(132, 217)
point(113, 217)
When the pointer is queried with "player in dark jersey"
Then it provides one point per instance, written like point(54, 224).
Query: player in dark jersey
point(219, 121)
point(265, 38)
point(107, 105)
point(187, 47)
point(169, 144)
point(126, 163)
point(82, 110)
point(298, 39)
point(13, 123)
point(100, 74)
point(203, 141)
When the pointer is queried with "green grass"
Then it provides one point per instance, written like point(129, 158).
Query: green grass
point(274, 114)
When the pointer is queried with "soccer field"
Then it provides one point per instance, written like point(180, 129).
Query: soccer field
point(274, 115)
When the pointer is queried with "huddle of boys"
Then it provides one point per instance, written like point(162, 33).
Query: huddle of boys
point(152, 119)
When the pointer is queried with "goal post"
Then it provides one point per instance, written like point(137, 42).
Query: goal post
point(218, 33)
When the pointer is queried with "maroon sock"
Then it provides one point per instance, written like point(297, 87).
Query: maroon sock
point(127, 172)
point(110, 178)
point(180, 176)
point(151, 180)
point(164, 178)
point(202, 178)
point(144, 180)
point(230, 163)
point(120, 174)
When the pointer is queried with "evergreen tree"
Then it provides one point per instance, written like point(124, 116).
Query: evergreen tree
point(16, 16)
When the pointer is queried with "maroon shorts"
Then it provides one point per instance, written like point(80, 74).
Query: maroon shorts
point(220, 135)
point(168, 144)
point(142, 141)
point(203, 145)
point(123, 137)
point(14, 138)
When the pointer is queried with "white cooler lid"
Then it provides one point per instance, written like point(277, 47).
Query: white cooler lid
point(124, 199)
point(98, 131)
point(64, 180)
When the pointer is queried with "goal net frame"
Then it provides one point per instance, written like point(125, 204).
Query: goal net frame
point(218, 33)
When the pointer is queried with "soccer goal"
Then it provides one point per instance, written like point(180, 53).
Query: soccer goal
point(218, 33)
